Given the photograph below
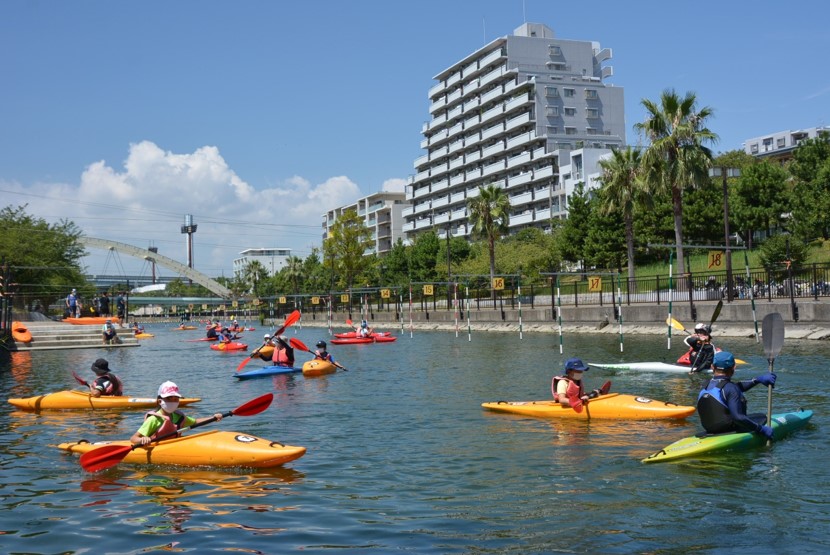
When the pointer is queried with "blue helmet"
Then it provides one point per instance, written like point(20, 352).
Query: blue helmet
point(723, 360)
point(576, 365)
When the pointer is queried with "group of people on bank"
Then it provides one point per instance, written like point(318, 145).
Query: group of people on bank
point(100, 306)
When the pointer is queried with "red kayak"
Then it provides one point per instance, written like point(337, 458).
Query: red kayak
point(354, 334)
point(686, 358)
point(232, 346)
point(364, 340)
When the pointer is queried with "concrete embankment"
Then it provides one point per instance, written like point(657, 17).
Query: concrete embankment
point(735, 319)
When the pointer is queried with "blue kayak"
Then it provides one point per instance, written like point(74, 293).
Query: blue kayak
point(267, 371)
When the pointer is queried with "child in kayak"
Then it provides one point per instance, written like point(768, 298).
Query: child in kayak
point(322, 354)
point(568, 390)
point(167, 419)
point(702, 349)
point(105, 383)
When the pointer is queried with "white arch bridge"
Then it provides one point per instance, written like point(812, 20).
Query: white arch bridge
point(144, 254)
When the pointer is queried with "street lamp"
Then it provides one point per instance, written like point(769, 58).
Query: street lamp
point(726, 173)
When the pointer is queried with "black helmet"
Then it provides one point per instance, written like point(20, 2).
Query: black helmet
point(321, 344)
point(101, 366)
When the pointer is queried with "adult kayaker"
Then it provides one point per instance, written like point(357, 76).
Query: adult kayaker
point(702, 349)
point(109, 334)
point(721, 403)
point(167, 419)
point(283, 352)
point(574, 368)
point(105, 383)
point(322, 354)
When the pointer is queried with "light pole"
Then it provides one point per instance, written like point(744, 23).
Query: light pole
point(725, 173)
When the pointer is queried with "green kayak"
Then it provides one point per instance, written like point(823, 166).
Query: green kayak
point(782, 424)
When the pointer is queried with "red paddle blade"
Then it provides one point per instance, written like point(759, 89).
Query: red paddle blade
point(79, 379)
point(289, 321)
point(297, 344)
point(349, 322)
point(104, 457)
point(255, 406)
point(606, 387)
point(244, 362)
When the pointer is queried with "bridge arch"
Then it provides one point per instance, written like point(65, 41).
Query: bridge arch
point(144, 254)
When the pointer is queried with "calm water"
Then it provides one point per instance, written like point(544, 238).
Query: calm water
point(401, 458)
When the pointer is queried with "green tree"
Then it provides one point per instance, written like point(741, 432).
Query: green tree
point(43, 258)
point(759, 200)
point(570, 237)
point(294, 271)
point(810, 169)
point(677, 156)
point(626, 192)
point(782, 250)
point(424, 255)
point(347, 244)
point(605, 235)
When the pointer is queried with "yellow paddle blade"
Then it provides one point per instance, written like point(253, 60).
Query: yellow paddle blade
point(675, 324)
point(739, 361)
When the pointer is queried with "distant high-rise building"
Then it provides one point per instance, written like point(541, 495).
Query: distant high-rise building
point(511, 114)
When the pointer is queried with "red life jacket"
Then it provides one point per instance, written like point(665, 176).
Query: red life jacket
point(168, 426)
point(555, 383)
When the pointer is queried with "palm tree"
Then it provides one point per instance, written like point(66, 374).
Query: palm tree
point(677, 157)
point(625, 190)
point(294, 271)
point(490, 215)
point(253, 273)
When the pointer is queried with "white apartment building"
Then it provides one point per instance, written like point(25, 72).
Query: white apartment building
point(382, 213)
point(272, 259)
point(780, 144)
point(512, 113)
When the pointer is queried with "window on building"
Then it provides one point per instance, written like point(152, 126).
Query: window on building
point(590, 94)
point(570, 93)
point(591, 131)
point(753, 148)
point(552, 130)
point(782, 143)
point(570, 131)
point(570, 111)
point(551, 91)
point(552, 111)
point(592, 113)
point(554, 50)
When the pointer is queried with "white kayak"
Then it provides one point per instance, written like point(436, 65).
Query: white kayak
point(647, 367)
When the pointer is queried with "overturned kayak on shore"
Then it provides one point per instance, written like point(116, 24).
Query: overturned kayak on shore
point(215, 448)
point(73, 399)
point(611, 406)
point(706, 444)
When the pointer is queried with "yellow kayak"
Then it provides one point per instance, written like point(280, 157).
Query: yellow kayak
point(214, 448)
point(318, 368)
point(74, 399)
point(144, 335)
point(611, 406)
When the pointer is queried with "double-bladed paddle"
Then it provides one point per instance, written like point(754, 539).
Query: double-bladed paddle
point(289, 321)
point(79, 379)
point(576, 401)
point(111, 455)
point(772, 328)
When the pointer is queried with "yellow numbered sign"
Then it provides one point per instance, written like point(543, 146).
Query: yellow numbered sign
point(172, 309)
point(204, 306)
point(283, 300)
point(344, 298)
point(235, 304)
point(315, 300)
point(716, 260)
point(428, 290)
point(498, 283)
point(595, 284)
point(385, 293)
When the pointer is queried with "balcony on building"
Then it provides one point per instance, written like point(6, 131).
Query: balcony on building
point(519, 200)
point(441, 218)
point(422, 223)
point(407, 211)
point(521, 219)
point(520, 179)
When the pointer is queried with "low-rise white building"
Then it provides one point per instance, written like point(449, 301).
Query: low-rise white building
point(781, 144)
point(273, 259)
point(382, 213)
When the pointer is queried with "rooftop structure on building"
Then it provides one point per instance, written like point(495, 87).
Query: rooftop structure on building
point(780, 145)
point(511, 114)
point(273, 259)
point(382, 214)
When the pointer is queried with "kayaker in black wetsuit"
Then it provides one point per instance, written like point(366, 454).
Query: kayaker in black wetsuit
point(703, 351)
point(721, 403)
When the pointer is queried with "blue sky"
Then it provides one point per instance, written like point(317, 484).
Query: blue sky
point(257, 117)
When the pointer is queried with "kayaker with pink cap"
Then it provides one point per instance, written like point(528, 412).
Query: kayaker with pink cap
point(167, 419)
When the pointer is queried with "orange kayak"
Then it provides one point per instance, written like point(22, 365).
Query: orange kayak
point(610, 406)
point(21, 333)
point(232, 346)
point(92, 320)
point(74, 399)
point(318, 368)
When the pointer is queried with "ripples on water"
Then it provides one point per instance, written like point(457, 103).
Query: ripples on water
point(402, 458)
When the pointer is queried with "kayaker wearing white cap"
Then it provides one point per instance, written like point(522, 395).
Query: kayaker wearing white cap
point(168, 419)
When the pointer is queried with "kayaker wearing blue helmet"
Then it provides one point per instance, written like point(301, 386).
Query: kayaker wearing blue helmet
point(572, 379)
point(721, 403)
